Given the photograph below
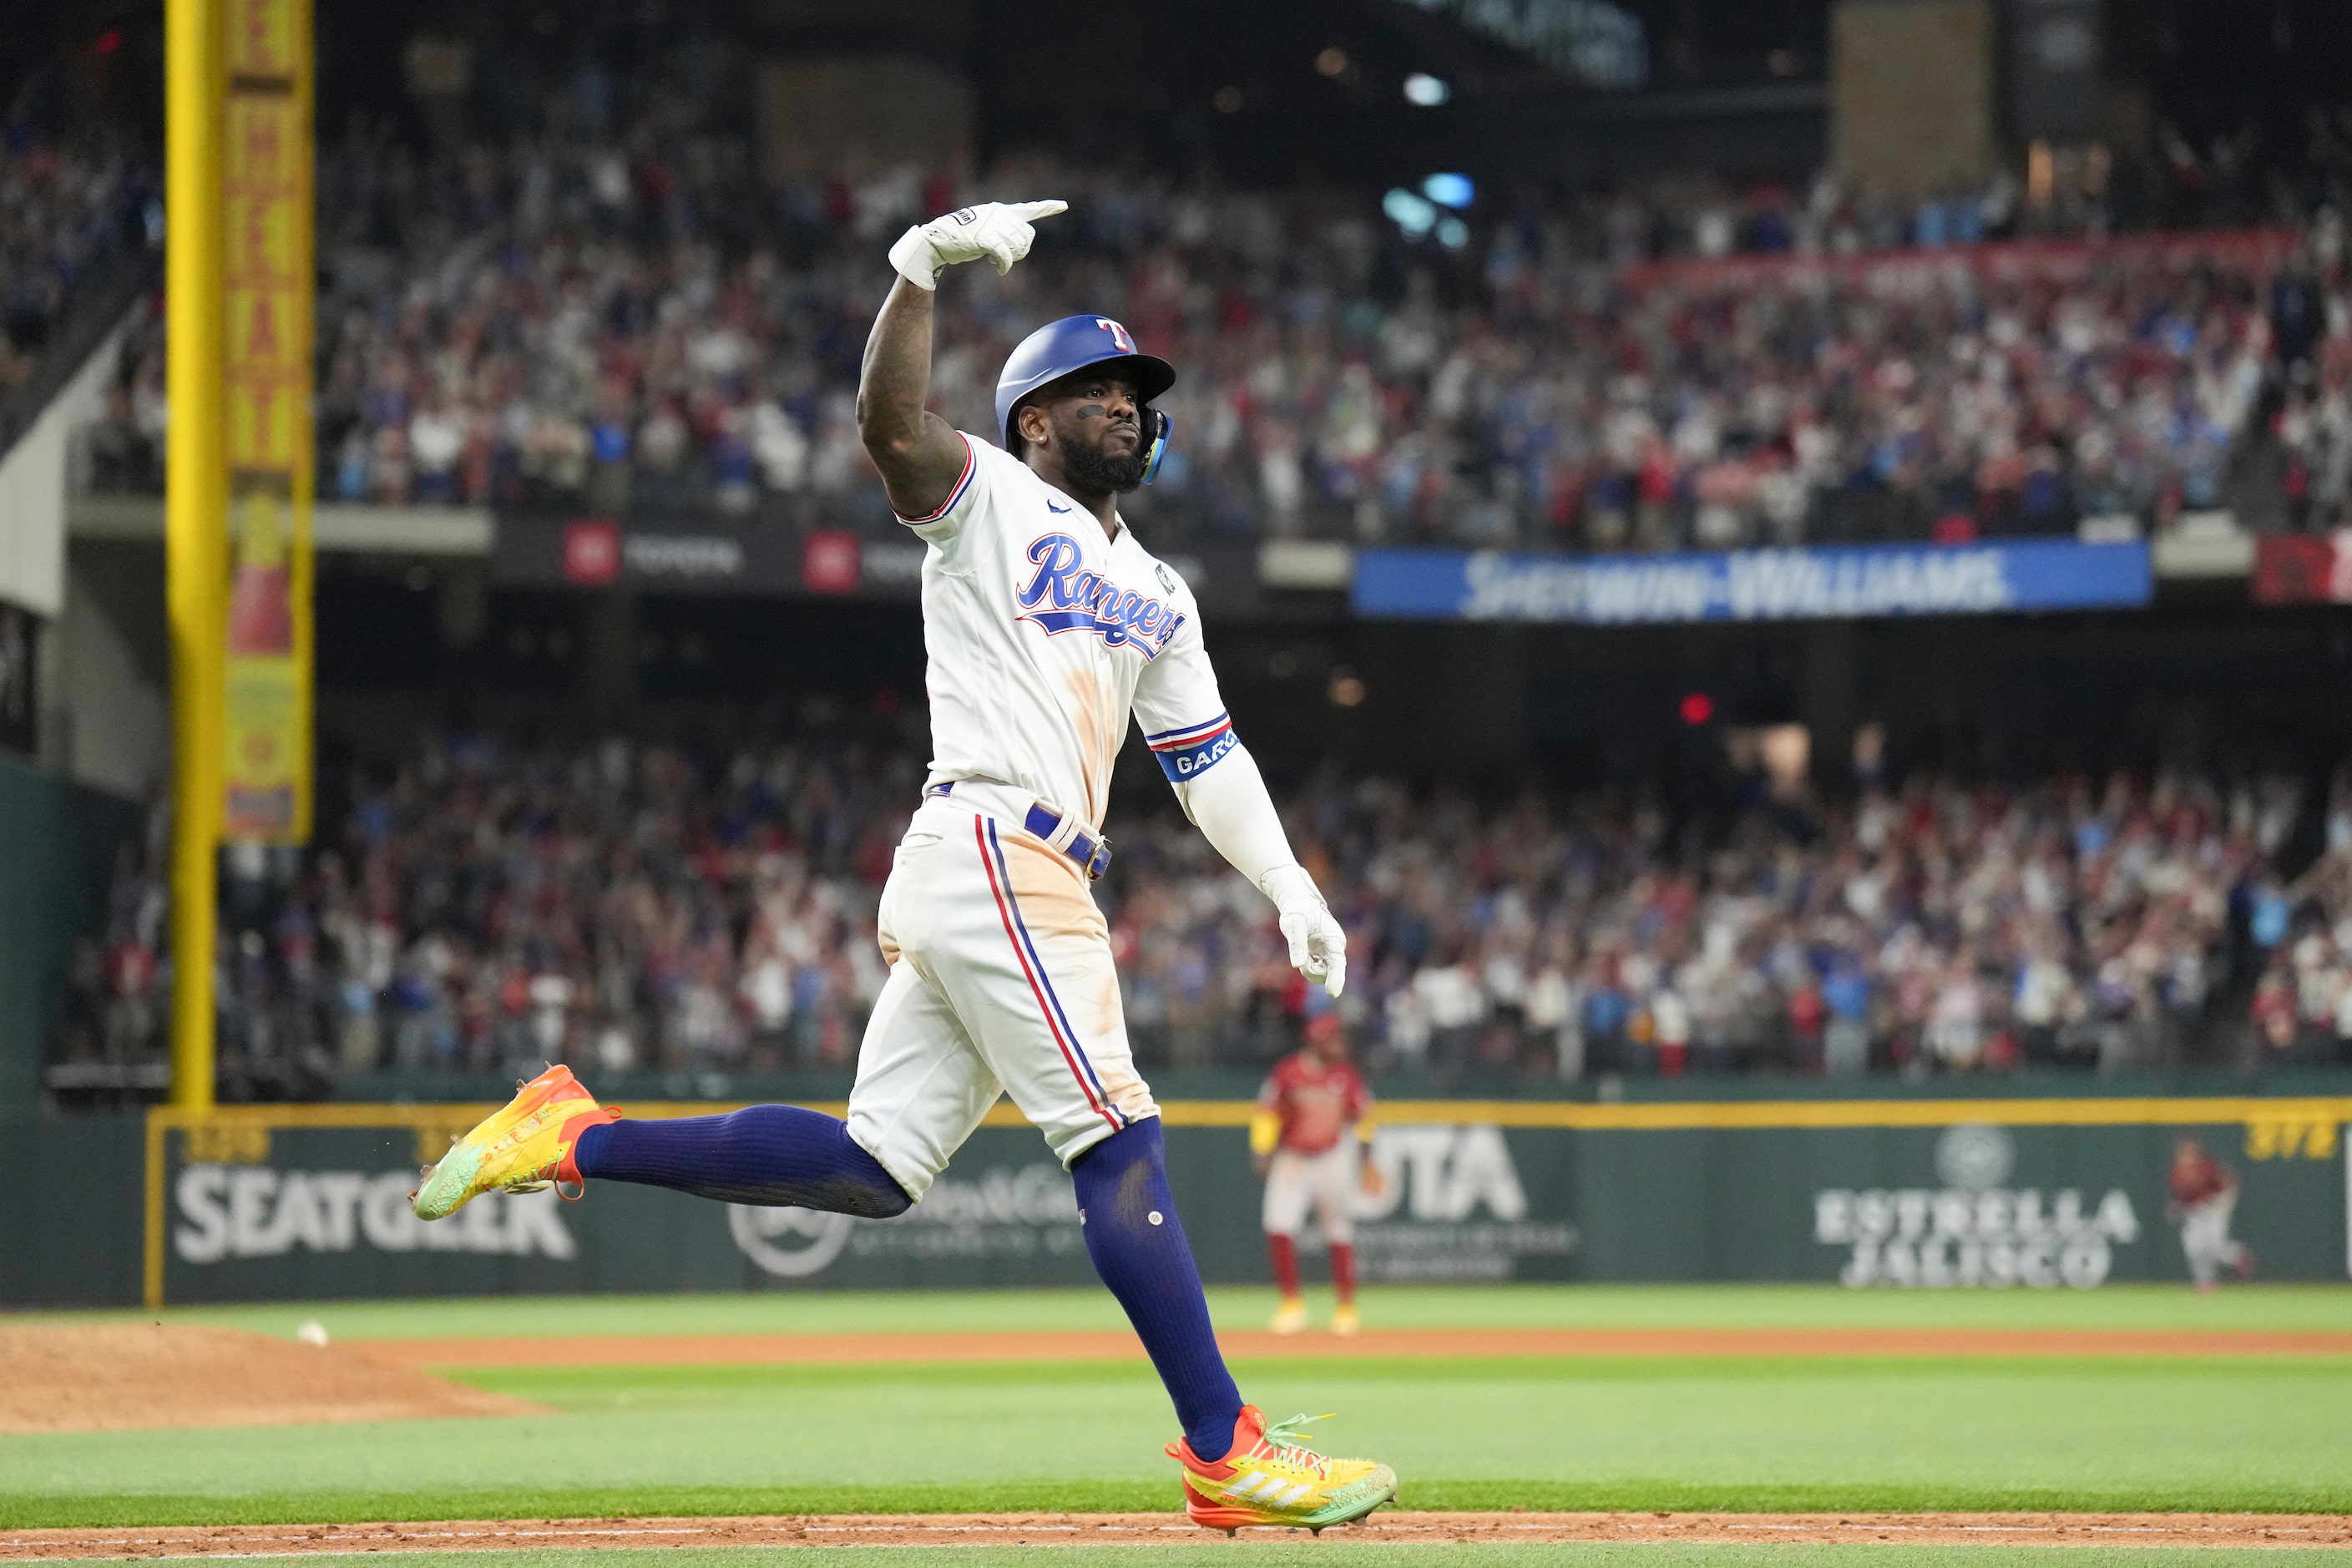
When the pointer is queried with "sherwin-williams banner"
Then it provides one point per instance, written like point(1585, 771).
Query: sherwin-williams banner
point(265, 216)
point(2029, 1194)
point(1753, 584)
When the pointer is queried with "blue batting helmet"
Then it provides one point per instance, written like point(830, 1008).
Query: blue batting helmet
point(1072, 343)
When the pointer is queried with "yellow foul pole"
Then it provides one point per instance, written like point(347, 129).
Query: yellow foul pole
point(195, 513)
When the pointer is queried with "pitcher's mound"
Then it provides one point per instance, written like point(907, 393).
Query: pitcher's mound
point(108, 1377)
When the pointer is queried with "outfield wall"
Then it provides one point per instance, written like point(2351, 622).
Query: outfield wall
point(58, 844)
point(310, 1201)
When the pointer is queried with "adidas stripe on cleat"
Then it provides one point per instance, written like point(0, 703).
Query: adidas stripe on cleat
point(1272, 1477)
point(527, 1145)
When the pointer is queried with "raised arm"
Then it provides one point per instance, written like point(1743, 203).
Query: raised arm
point(920, 458)
point(919, 455)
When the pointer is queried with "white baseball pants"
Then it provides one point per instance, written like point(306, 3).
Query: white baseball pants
point(1000, 979)
point(1326, 1184)
point(2205, 1238)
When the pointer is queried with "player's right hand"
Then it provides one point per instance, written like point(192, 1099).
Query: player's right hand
point(998, 230)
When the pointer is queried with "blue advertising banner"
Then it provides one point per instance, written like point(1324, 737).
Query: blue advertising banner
point(1817, 583)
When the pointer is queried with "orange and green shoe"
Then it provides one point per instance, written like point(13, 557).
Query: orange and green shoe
point(1272, 1477)
point(525, 1147)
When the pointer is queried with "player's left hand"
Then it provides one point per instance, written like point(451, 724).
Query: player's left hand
point(1373, 1183)
point(1318, 943)
point(1000, 231)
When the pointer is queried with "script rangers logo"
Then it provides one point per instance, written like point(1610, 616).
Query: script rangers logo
point(1061, 598)
point(1119, 336)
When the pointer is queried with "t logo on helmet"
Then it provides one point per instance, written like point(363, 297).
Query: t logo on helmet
point(1126, 344)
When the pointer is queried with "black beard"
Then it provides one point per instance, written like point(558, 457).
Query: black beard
point(1101, 471)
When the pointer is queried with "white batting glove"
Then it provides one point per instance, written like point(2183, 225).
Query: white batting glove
point(1318, 945)
point(998, 230)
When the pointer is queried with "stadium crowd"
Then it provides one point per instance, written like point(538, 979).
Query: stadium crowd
point(68, 205)
point(632, 318)
point(485, 907)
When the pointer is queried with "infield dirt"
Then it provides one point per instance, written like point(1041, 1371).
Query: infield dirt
point(118, 1376)
point(1154, 1529)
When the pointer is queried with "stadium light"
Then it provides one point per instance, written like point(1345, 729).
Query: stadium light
point(1698, 708)
point(1413, 214)
point(1423, 90)
point(1453, 233)
point(1455, 191)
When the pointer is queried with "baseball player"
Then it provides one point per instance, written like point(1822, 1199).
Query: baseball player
point(1310, 1140)
point(1047, 623)
point(2204, 1194)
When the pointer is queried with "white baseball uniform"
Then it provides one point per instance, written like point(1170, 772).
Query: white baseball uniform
point(1043, 635)
point(1325, 1184)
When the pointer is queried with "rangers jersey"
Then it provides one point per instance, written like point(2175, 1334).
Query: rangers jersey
point(1043, 635)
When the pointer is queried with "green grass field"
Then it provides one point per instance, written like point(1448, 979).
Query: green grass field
point(2327, 1307)
point(2224, 1433)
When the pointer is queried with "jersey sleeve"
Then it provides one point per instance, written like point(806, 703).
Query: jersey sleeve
point(971, 492)
point(1177, 703)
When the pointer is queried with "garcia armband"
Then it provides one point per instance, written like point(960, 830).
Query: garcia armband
point(1186, 753)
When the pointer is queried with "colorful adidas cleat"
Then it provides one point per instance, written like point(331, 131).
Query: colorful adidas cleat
point(523, 1148)
point(1290, 1318)
point(1272, 1477)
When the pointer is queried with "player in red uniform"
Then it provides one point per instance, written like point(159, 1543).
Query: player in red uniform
point(2203, 1194)
point(1310, 1138)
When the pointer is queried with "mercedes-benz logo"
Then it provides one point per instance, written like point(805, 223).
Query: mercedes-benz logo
point(788, 1242)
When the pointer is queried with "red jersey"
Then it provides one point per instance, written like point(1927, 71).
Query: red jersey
point(2200, 1181)
point(1316, 1102)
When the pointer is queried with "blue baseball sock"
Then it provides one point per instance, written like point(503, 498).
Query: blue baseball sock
point(777, 1156)
point(1138, 1248)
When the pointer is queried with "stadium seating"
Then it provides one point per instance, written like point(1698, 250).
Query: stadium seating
point(640, 323)
point(487, 907)
point(70, 207)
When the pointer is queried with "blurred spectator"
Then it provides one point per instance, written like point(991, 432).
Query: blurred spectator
point(68, 206)
point(635, 318)
point(486, 907)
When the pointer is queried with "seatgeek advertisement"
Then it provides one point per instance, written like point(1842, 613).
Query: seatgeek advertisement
point(1809, 583)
